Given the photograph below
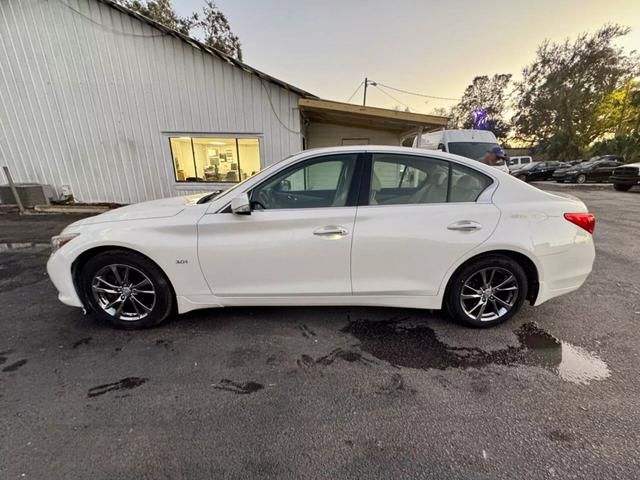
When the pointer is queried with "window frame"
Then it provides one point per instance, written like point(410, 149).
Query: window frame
point(365, 183)
point(227, 135)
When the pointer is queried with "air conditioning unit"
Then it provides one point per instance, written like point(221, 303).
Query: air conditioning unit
point(31, 194)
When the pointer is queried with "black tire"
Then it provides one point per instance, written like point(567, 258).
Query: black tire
point(522, 177)
point(582, 178)
point(622, 188)
point(162, 305)
point(453, 302)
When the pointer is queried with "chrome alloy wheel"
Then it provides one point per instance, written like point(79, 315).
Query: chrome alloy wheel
point(489, 294)
point(123, 292)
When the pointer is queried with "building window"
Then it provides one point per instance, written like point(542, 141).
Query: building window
point(212, 159)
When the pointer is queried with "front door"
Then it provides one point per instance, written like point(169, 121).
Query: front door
point(297, 240)
point(422, 216)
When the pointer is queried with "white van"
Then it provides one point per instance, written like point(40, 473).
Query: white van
point(472, 144)
point(515, 162)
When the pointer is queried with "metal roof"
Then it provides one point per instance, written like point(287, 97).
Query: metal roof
point(210, 50)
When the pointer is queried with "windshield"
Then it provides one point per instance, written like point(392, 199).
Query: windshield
point(473, 150)
point(529, 166)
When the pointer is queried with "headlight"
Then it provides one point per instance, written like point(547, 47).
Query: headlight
point(59, 241)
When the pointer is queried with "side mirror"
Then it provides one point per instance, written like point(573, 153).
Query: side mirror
point(241, 205)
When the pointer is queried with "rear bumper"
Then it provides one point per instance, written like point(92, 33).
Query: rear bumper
point(566, 271)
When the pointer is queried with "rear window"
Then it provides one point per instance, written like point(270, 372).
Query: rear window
point(473, 150)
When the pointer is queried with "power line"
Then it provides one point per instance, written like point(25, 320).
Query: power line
point(417, 94)
point(273, 109)
point(356, 91)
point(392, 97)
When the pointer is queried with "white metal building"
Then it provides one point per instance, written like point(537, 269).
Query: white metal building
point(122, 109)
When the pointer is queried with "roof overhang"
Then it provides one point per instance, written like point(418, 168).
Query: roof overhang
point(347, 114)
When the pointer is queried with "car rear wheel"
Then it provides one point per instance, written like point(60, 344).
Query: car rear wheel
point(126, 289)
point(621, 188)
point(582, 178)
point(487, 291)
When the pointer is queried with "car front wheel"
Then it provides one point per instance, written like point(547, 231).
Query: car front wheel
point(126, 289)
point(487, 292)
point(581, 178)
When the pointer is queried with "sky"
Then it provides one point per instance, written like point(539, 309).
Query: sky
point(434, 47)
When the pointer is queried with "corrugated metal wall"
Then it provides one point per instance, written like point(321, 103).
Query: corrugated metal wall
point(86, 96)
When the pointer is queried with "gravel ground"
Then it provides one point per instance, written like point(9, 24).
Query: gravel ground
point(326, 392)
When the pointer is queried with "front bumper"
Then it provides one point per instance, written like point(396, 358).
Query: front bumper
point(59, 270)
point(625, 180)
point(570, 177)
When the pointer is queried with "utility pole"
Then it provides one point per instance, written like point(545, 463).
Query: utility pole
point(367, 82)
point(364, 98)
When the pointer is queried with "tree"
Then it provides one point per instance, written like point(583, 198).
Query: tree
point(210, 26)
point(217, 32)
point(626, 145)
point(161, 11)
point(485, 96)
point(560, 98)
point(618, 113)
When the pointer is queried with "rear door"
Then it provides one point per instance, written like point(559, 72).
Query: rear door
point(603, 170)
point(417, 216)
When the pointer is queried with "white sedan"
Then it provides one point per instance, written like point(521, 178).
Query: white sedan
point(377, 226)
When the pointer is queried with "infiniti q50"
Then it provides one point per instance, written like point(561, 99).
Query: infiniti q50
point(377, 226)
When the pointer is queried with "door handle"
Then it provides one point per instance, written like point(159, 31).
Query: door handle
point(465, 226)
point(331, 231)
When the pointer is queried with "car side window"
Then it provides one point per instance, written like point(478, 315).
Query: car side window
point(315, 183)
point(406, 179)
point(467, 184)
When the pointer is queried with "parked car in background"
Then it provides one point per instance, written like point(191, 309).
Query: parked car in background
point(626, 176)
point(573, 162)
point(538, 171)
point(597, 169)
point(516, 162)
point(514, 170)
point(432, 231)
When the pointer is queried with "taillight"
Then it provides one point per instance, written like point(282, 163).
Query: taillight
point(587, 221)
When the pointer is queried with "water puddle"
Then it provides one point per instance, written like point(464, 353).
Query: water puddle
point(239, 388)
point(24, 246)
point(15, 365)
point(127, 383)
point(417, 346)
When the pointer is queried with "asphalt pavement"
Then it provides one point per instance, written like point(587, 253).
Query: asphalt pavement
point(325, 393)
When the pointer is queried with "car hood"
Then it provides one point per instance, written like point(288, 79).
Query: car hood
point(637, 165)
point(163, 208)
